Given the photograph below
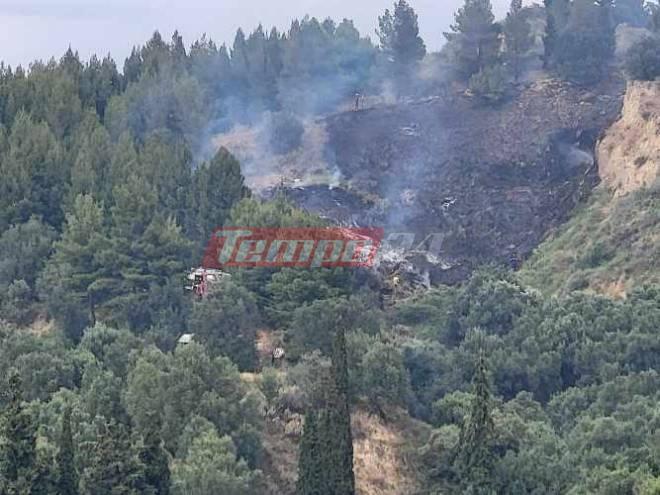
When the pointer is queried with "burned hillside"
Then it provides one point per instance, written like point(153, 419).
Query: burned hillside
point(491, 182)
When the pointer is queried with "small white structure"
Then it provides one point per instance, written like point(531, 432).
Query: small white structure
point(186, 338)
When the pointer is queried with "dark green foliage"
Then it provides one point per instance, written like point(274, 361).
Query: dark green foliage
point(186, 384)
point(310, 462)
point(643, 60)
point(290, 289)
point(314, 325)
point(399, 35)
point(474, 37)
point(113, 467)
point(18, 437)
point(490, 84)
point(69, 283)
point(336, 422)
point(226, 323)
point(475, 459)
point(517, 36)
point(34, 174)
point(584, 48)
point(155, 459)
point(67, 477)
point(216, 187)
point(326, 457)
point(211, 467)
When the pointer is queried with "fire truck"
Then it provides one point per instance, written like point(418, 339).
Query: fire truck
point(202, 281)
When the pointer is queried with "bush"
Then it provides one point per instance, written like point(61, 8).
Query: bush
point(489, 84)
point(643, 60)
point(285, 133)
point(582, 56)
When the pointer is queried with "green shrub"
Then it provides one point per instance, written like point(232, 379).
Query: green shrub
point(489, 84)
point(643, 60)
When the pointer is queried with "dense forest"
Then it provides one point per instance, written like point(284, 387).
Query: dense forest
point(110, 190)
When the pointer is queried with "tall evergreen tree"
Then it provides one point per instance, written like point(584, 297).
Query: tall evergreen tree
point(67, 477)
point(69, 283)
point(143, 251)
point(336, 423)
point(399, 35)
point(518, 36)
point(217, 186)
point(475, 458)
point(34, 173)
point(475, 37)
point(18, 459)
point(310, 462)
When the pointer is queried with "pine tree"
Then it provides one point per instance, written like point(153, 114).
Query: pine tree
point(18, 460)
point(67, 477)
point(475, 37)
point(517, 32)
point(310, 467)
point(33, 173)
point(217, 187)
point(143, 251)
point(475, 458)
point(70, 282)
point(155, 459)
point(399, 35)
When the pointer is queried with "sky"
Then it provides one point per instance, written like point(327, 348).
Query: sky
point(41, 29)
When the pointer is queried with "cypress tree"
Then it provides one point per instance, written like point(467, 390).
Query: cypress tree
point(310, 467)
point(326, 456)
point(475, 458)
point(557, 13)
point(67, 478)
point(337, 423)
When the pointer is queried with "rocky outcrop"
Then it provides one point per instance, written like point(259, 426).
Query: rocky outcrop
point(629, 153)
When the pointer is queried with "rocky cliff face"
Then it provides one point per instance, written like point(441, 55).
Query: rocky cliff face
point(629, 153)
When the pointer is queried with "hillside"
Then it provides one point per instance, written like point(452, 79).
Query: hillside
point(492, 181)
point(612, 243)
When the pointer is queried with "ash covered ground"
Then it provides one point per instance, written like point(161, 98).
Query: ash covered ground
point(491, 182)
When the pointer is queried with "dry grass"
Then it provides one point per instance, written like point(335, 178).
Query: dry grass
point(383, 454)
point(263, 169)
point(629, 153)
